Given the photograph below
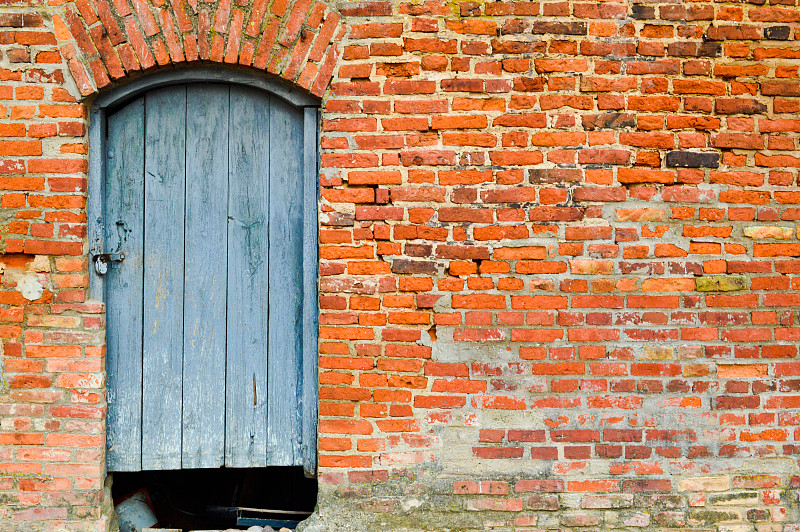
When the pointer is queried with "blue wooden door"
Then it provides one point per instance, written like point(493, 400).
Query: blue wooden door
point(207, 202)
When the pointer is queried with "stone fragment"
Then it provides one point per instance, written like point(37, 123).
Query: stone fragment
point(768, 231)
point(706, 484)
point(40, 264)
point(29, 286)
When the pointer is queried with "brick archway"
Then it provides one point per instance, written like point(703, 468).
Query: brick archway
point(105, 42)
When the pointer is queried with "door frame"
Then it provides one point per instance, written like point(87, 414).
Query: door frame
point(106, 102)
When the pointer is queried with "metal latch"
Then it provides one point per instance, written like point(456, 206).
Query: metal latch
point(101, 261)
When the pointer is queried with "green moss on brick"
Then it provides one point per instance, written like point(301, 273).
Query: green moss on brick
point(721, 283)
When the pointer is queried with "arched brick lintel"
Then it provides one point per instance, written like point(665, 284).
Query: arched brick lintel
point(106, 42)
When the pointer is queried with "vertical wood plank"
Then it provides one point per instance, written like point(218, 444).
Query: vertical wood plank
point(95, 195)
point(248, 277)
point(165, 145)
point(285, 282)
point(123, 222)
point(205, 276)
point(309, 363)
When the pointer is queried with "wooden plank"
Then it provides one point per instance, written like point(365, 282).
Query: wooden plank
point(248, 276)
point(123, 222)
point(285, 282)
point(205, 282)
point(309, 364)
point(95, 195)
point(165, 174)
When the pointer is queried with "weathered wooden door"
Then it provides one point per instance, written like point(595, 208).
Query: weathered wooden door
point(205, 204)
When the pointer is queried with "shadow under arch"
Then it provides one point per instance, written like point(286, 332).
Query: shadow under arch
point(119, 93)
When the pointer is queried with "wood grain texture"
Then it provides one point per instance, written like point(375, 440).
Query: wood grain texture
point(247, 392)
point(310, 348)
point(94, 196)
point(164, 198)
point(124, 231)
point(205, 282)
point(285, 282)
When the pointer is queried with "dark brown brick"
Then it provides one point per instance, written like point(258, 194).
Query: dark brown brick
point(560, 28)
point(403, 266)
point(691, 159)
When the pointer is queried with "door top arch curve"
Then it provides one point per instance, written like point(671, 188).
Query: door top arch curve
point(203, 74)
point(108, 42)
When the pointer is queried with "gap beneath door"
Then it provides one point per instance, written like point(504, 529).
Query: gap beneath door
point(207, 499)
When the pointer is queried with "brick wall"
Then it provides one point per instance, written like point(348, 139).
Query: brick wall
point(558, 255)
point(51, 395)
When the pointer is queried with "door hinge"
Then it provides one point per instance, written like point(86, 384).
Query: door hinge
point(101, 261)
